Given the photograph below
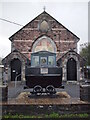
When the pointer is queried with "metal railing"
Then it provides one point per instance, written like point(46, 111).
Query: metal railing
point(16, 79)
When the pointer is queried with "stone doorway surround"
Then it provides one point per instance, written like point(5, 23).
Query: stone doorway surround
point(7, 63)
point(64, 59)
point(65, 66)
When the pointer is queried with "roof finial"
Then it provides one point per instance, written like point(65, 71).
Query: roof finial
point(44, 8)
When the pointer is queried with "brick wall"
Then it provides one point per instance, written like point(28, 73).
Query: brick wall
point(25, 38)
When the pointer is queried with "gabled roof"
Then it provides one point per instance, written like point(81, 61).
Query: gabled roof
point(44, 12)
point(9, 56)
point(72, 51)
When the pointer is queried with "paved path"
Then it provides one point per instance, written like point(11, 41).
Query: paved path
point(72, 89)
point(13, 91)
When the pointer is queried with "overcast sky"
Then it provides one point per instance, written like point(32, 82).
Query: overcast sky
point(73, 15)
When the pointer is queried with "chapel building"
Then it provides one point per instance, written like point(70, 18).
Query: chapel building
point(43, 33)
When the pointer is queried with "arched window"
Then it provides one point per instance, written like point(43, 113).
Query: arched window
point(44, 44)
point(44, 26)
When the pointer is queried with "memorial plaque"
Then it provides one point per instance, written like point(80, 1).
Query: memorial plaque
point(44, 70)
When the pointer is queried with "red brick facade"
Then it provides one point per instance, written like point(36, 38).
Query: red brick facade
point(24, 39)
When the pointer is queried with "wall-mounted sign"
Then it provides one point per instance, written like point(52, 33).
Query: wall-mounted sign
point(44, 70)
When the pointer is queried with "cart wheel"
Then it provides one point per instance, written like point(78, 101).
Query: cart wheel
point(37, 90)
point(50, 90)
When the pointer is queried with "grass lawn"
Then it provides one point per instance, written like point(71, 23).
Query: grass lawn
point(52, 115)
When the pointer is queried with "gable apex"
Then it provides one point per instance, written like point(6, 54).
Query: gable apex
point(43, 16)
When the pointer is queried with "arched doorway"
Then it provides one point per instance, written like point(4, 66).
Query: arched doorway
point(15, 69)
point(71, 70)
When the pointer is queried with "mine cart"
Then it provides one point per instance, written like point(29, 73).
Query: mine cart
point(43, 74)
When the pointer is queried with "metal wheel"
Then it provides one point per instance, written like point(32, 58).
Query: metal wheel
point(37, 90)
point(50, 90)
